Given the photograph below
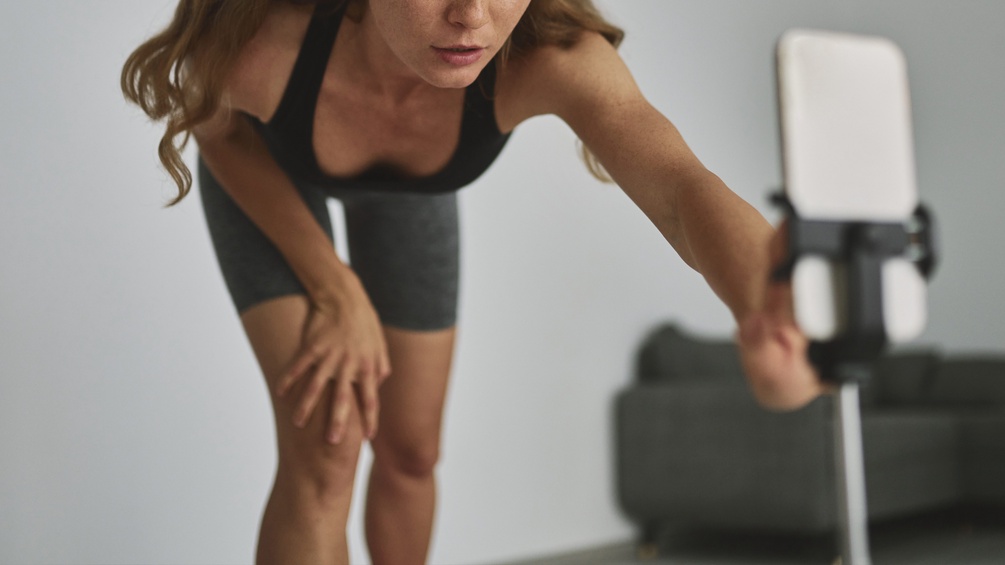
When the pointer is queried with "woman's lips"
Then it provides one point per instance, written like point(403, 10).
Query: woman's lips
point(459, 55)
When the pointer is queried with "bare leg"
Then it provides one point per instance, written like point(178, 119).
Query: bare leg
point(305, 518)
point(401, 500)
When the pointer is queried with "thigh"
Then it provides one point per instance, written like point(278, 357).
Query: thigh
point(404, 248)
point(275, 331)
point(252, 267)
point(412, 399)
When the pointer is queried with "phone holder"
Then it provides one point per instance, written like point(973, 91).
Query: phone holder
point(860, 248)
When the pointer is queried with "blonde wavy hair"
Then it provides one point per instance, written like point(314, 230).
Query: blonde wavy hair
point(164, 79)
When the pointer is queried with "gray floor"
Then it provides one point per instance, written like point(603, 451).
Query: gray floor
point(972, 537)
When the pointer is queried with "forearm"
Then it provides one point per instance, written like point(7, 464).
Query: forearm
point(727, 240)
point(241, 163)
point(713, 230)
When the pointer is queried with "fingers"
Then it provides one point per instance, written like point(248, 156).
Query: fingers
point(355, 356)
point(346, 373)
point(315, 389)
point(383, 367)
point(303, 362)
point(342, 402)
point(355, 383)
point(370, 381)
point(369, 402)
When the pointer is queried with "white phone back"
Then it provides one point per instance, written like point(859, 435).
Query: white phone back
point(848, 154)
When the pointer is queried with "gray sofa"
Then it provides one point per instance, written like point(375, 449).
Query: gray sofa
point(695, 450)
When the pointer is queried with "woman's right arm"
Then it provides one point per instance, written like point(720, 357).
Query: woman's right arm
point(343, 339)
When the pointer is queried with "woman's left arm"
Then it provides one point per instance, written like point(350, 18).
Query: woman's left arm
point(712, 229)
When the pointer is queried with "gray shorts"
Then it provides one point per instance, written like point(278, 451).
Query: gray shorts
point(403, 247)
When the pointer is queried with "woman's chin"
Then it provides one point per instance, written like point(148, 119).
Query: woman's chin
point(453, 77)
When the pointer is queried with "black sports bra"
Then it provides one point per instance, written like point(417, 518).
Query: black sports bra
point(289, 133)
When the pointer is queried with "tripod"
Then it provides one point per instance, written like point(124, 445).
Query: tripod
point(860, 245)
point(847, 360)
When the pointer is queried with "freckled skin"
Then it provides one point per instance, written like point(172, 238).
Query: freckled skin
point(412, 28)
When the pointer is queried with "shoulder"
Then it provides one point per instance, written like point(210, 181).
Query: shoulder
point(568, 82)
point(258, 78)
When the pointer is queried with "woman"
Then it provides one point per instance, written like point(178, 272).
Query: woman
point(391, 106)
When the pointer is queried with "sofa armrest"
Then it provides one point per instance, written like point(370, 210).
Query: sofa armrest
point(708, 455)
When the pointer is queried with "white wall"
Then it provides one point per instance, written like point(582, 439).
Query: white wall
point(134, 427)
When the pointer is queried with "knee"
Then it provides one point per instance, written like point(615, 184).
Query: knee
point(412, 459)
point(323, 474)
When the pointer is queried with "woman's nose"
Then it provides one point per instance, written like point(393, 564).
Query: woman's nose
point(471, 14)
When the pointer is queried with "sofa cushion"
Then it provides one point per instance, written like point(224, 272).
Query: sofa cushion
point(670, 354)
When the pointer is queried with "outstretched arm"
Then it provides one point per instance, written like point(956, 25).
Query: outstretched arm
point(712, 229)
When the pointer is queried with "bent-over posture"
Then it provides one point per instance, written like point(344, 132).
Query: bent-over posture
point(391, 106)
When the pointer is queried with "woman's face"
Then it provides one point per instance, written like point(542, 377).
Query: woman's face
point(446, 42)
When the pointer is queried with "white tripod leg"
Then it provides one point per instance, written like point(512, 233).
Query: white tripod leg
point(848, 455)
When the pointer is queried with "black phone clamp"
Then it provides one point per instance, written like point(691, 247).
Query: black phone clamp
point(859, 250)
